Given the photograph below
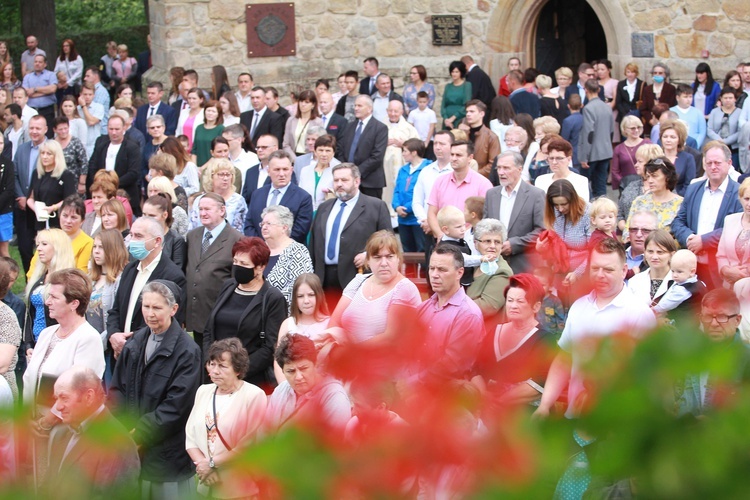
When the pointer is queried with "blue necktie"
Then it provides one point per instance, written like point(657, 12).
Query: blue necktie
point(331, 252)
point(357, 134)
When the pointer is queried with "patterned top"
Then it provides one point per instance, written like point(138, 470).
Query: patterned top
point(39, 321)
point(236, 211)
point(76, 158)
point(665, 212)
point(102, 300)
point(629, 194)
point(742, 245)
point(363, 319)
point(293, 261)
point(552, 316)
point(576, 238)
point(180, 222)
point(410, 96)
point(10, 333)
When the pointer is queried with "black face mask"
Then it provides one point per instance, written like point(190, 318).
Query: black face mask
point(243, 275)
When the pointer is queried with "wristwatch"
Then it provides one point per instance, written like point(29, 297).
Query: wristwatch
point(211, 463)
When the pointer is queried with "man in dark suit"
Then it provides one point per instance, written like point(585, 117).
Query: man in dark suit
point(521, 100)
point(335, 124)
point(481, 84)
point(698, 226)
point(207, 269)
point(149, 264)
point(116, 152)
point(372, 70)
point(281, 191)
point(364, 144)
point(79, 462)
point(24, 220)
point(519, 206)
point(342, 227)
point(257, 175)
point(181, 102)
point(585, 73)
point(155, 106)
point(272, 101)
point(261, 120)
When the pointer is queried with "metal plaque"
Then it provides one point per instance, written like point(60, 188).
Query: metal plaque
point(270, 30)
point(642, 44)
point(447, 30)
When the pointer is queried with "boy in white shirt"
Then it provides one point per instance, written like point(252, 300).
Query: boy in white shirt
point(424, 120)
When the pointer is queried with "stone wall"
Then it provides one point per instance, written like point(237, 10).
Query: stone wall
point(336, 35)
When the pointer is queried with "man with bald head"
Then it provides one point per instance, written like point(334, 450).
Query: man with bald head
point(28, 55)
point(364, 144)
point(399, 131)
point(335, 124)
point(382, 96)
point(79, 462)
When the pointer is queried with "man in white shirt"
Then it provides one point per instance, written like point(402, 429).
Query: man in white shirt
point(21, 98)
point(610, 309)
point(93, 114)
point(245, 85)
point(240, 158)
point(382, 97)
point(16, 133)
point(441, 166)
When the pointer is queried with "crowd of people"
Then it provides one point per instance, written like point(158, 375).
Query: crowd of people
point(206, 268)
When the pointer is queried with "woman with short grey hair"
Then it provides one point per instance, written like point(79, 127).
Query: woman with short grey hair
point(289, 259)
point(492, 275)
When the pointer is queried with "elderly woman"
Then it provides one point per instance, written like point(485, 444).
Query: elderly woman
point(518, 139)
point(317, 178)
point(225, 416)
point(307, 396)
point(249, 308)
point(455, 96)
point(723, 123)
point(623, 159)
point(289, 259)
point(659, 92)
point(673, 134)
point(661, 179)
point(51, 183)
point(296, 127)
point(10, 333)
point(733, 253)
point(418, 83)
point(72, 341)
point(156, 128)
point(153, 389)
point(559, 154)
point(650, 285)
point(636, 188)
point(173, 245)
point(551, 104)
point(563, 77)
point(491, 277)
point(374, 304)
point(161, 185)
point(514, 361)
point(218, 177)
point(55, 252)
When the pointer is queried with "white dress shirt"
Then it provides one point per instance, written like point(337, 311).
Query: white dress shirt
point(507, 202)
point(140, 281)
point(329, 226)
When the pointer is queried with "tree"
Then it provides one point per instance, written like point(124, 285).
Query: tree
point(38, 19)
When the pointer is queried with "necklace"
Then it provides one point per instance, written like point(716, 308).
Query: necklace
point(235, 389)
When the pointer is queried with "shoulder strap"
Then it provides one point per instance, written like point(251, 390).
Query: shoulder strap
point(263, 317)
point(216, 423)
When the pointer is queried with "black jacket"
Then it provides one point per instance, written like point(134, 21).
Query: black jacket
point(7, 186)
point(175, 248)
point(248, 331)
point(156, 398)
point(127, 166)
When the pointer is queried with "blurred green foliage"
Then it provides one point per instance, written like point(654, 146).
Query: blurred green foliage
point(89, 23)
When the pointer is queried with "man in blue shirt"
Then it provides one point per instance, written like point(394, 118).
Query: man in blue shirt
point(40, 86)
point(101, 96)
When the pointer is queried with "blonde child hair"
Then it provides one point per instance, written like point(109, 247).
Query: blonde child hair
point(602, 205)
point(450, 215)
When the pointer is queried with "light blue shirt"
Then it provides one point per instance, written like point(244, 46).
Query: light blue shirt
point(329, 226)
point(282, 192)
point(215, 232)
point(41, 79)
point(101, 96)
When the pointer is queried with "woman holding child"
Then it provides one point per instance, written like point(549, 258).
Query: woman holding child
point(652, 284)
point(491, 276)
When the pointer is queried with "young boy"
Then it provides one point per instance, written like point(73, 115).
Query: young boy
point(571, 128)
point(687, 291)
point(552, 315)
point(424, 120)
point(453, 227)
point(409, 230)
point(693, 118)
point(603, 214)
point(473, 213)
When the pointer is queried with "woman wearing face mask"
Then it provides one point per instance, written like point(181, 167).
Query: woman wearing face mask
point(491, 277)
point(250, 309)
point(660, 91)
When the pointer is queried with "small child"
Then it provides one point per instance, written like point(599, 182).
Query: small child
point(424, 120)
point(409, 230)
point(687, 290)
point(603, 213)
point(473, 213)
point(552, 315)
point(571, 128)
point(453, 226)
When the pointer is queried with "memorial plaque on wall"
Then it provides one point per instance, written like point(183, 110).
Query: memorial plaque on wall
point(446, 30)
point(270, 30)
point(642, 44)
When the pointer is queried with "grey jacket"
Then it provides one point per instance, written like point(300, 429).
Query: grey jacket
point(595, 142)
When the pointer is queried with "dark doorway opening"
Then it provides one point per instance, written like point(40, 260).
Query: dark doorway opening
point(568, 33)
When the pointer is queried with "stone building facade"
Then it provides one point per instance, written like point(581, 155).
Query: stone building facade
point(336, 35)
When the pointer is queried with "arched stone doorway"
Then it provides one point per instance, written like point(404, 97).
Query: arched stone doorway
point(568, 32)
point(512, 31)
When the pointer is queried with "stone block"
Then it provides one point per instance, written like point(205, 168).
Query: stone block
point(720, 45)
point(388, 48)
point(460, 6)
point(705, 23)
point(309, 7)
point(176, 15)
point(373, 8)
point(401, 6)
point(682, 24)
point(689, 45)
point(738, 10)
point(328, 27)
point(210, 39)
point(200, 14)
point(390, 27)
point(639, 6)
point(420, 6)
point(308, 32)
point(226, 9)
point(239, 33)
point(342, 6)
point(362, 28)
point(653, 20)
point(703, 6)
point(179, 38)
point(437, 6)
point(661, 49)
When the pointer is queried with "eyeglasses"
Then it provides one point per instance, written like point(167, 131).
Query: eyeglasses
point(721, 319)
point(642, 230)
point(488, 241)
point(635, 128)
point(225, 175)
point(269, 224)
point(556, 159)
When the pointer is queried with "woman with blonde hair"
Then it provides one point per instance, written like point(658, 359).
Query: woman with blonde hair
point(164, 165)
point(55, 252)
point(180, 221)
point(51, 183)
point(218, 177)
point(551, 104)
point(623, 159)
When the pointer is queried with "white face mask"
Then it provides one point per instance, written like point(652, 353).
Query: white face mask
point(514, 148)
point(489, 268)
